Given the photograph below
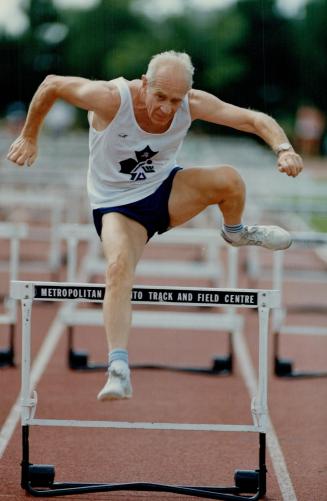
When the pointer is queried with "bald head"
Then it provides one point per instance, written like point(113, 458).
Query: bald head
point(171, 63)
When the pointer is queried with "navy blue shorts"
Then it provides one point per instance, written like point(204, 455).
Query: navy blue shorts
point(151, 212)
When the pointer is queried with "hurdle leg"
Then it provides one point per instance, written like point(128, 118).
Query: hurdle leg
point(7, 355)
point(283, 367)
point(41, 475)
point(34, 475)
point(78, 360)
point(25, 457)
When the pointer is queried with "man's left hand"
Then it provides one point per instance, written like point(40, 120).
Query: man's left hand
point(290, 162)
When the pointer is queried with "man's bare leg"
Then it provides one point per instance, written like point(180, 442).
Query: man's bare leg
point(195, 189)
point(123, 243)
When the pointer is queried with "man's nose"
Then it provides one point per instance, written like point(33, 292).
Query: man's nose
point(166, 108)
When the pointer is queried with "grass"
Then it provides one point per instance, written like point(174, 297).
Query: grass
point(319, 222)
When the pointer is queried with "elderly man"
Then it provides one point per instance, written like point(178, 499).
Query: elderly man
point(134, 184)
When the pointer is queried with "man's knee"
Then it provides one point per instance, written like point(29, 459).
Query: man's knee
point(119, 271)
point(229, 181)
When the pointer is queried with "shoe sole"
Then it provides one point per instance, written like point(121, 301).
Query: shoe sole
point(113, 396)
point(236, 244)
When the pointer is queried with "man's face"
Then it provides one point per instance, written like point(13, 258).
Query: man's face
point(164, 96)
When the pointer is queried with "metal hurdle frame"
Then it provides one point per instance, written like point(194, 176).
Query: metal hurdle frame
point(284, 367)
point(92, 264)
point(14, 233)
point(67, 183)
point(38, 480)
point(207, 268)
point(208, 237)
point(55, 204)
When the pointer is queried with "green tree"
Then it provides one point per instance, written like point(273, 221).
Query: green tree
point(100, 40)
point(27, 59)
point(310, 46)
point(223, 66)
point(248, 53)
point(44, 40)
point(12, 74)
point(267, 53)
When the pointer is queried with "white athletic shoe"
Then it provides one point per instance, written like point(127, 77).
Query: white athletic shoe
point(269, 237)
point(118, 384)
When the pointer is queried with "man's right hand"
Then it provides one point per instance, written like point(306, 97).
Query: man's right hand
point(23, 151)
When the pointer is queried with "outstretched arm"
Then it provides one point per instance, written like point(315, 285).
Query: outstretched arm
point(100, 97)
point(205, 106)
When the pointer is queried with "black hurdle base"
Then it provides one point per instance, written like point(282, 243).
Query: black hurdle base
point(7, 355)
point(79, 360)
point(283, 367)
point(38, 480)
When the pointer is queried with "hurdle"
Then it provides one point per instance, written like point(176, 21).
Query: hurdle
point(209, 268)
point(38, 479)
point(264, 187)
point(66, 183)
point(50, 204)
point(13, 233)
point(284, 367)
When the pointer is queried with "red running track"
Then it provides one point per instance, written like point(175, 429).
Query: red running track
point(296, 459)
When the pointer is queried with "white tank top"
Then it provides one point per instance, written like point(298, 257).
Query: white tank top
point(127, 163)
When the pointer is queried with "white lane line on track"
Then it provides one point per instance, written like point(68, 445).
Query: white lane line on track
point(275, 451)
point(38, 367)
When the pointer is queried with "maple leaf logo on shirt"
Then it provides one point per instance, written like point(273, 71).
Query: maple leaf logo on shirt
point(141, 166)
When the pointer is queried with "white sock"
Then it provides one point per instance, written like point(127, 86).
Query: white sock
point(233, 231)
point(118, 354)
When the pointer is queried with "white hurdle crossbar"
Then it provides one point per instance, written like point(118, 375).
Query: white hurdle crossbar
point(245, 481)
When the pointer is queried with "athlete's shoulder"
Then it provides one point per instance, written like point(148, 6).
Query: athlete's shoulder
point(134, 86)
point(110, 104)
point(195, 99)
point(203, 104)
point(113, 91)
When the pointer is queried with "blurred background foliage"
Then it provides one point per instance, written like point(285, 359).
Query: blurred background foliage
point(248, 53)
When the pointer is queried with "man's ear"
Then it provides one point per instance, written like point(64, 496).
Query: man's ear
point(144, 81)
